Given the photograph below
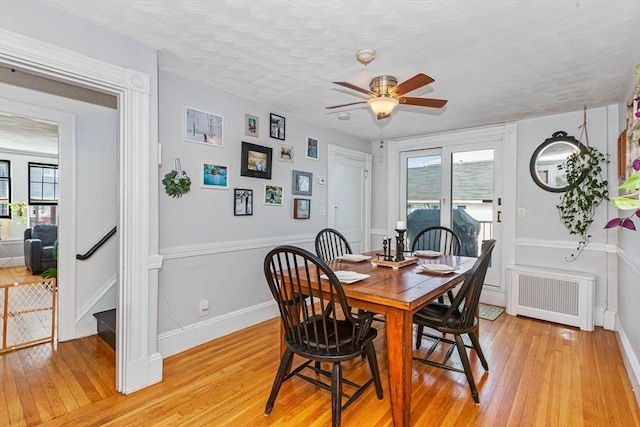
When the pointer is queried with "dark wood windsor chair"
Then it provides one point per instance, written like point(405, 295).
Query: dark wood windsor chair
point(318, 329)
point(439, 239)
point(458, 318)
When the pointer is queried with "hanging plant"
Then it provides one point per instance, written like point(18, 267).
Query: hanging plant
point(585, 191)
point(177, 182)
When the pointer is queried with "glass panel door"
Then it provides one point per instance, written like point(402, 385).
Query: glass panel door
point(423, 191)
point(472, 198)
point(457, 187)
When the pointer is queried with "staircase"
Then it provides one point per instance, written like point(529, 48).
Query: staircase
point(107, 326)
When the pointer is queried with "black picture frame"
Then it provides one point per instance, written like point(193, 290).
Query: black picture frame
point(276, 126)
point(302, 184)
point(242, 201)
point(256, 161)
point(301, 208)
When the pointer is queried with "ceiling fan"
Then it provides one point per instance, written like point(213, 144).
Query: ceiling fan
point(386, 94)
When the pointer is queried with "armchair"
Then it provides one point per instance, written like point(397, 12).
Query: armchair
point(38, 247)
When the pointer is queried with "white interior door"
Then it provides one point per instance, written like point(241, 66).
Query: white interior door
point(349, 195)
point(456, 186)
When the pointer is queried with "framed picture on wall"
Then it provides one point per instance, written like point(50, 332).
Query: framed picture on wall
point(273, 195)
point(251, 125)
point(203, 128)
point(632, 149)
point(276, 126)
point(255, 161)
point(312, 148)
point(243, 202)
point(302, 183)
point(286, 153)
point(214, 176)
point(301, 208)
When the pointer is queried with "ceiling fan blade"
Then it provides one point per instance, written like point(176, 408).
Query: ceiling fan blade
point(344, 105)
point(413, 83)
point(423, 102)
point(354, 87)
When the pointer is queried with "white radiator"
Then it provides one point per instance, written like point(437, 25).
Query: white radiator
point(555, 295)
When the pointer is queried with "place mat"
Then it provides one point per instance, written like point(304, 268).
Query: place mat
point(427, 254)
point(353, 257)
point(437, 268)
point(490, 312)
point(345, 276)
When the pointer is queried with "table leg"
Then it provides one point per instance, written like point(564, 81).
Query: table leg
point(399, 334)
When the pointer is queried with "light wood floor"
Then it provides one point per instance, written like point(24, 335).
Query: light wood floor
point(541, 374)
point(10, 275)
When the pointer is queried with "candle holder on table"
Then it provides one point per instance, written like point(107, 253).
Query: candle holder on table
point(385, 259)
point(386, 249)
point(399, 245)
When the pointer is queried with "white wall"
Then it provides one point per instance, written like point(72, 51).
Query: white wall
point(541, 239)
point(210, 253)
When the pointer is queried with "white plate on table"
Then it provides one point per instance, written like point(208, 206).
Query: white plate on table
point(437, 268)
point(353, 258)
point(427, 254)
point(347, 276)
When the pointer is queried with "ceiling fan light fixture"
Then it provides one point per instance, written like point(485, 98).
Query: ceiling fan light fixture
point(382, 106)
point(365, 56)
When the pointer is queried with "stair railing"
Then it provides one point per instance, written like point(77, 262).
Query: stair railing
point(96, 246)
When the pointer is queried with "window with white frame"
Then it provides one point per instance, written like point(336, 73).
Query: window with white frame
point(43, 193)
point(43, 184)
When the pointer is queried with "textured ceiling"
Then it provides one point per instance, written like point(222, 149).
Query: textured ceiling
point(495, 61)
point(24, 134)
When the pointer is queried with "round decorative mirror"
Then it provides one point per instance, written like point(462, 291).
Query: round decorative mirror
point(547, 161)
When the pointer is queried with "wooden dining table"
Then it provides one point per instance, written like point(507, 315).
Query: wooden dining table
point(398, 294)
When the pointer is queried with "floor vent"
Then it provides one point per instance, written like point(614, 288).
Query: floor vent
point(555, 295)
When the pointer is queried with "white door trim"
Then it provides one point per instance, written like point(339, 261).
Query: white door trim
point(67, 212)
point(135, 367)
point(332, 188)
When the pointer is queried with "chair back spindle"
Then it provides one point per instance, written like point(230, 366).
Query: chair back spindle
point(331, 244)
point(441, 239)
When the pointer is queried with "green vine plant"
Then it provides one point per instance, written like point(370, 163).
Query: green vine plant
point(586, 190)
point(177, 182)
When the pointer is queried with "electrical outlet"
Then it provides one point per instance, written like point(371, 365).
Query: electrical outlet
point(322, 211)
point(204, 306)
point(522, 212)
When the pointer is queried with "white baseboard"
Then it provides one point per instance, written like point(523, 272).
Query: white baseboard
point(179, 340)
point(630, 360)
point(14, 261)
point(605, 318)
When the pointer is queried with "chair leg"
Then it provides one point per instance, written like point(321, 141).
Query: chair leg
point(336, 394)
point(419, 333)
point(478, 349)
point(373, 365)
point(285, 366)
point(462, 350)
